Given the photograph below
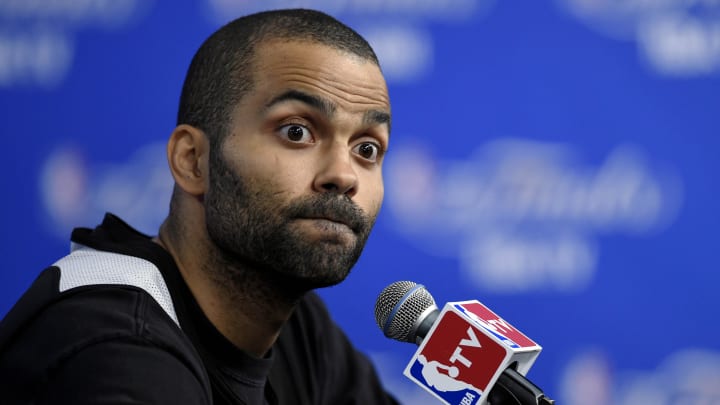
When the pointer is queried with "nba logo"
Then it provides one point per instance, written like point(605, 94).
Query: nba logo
point(465, 352)
point(494, 325)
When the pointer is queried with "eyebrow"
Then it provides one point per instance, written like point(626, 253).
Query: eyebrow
point(326, 107)
point(377, 117)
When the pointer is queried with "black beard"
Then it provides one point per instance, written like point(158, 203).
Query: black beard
point(252, 229)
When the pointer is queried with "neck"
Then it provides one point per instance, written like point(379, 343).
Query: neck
point(242, 301)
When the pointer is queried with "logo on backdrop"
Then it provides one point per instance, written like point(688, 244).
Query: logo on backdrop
point(688, 376)
point(676, 37)
point(37, 44)
point(523, 215)
point(76, 193)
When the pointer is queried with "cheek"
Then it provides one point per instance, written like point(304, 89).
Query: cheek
point(278, 174)
point(372, 197)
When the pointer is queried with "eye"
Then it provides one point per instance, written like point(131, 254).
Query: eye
point(296, 133)
point(368, 151)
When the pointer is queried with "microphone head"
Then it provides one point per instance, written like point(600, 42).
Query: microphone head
point(401, 307)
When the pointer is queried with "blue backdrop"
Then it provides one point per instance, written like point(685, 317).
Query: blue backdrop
point(556, 160)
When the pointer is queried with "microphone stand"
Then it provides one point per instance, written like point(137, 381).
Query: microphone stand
point(512, 388)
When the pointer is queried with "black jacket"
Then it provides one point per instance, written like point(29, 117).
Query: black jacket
point(114, 323)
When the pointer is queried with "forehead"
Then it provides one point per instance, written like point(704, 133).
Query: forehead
point(352, 83)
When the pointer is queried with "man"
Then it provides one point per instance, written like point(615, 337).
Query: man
point(283, 123)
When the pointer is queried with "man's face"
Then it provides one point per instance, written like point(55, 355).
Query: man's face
point(296, 186)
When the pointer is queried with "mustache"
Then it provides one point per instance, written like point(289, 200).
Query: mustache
point(333, 207)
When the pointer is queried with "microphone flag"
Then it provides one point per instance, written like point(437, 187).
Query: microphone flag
point(465, 352)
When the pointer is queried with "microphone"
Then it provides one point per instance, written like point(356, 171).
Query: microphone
point(467, 354)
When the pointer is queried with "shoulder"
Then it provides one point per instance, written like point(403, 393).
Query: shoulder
point(82, 316)
point(90, 294)
point(90, 267)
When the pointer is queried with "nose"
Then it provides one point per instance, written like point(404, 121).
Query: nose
point(336, 173)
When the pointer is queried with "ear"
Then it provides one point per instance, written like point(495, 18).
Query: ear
point(187, 152)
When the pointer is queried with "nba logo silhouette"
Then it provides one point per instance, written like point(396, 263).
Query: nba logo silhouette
point(465, 352)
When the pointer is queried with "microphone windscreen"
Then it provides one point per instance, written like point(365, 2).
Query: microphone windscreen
point(399, 307)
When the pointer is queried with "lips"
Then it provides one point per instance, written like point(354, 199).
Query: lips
point(350, 224)
point(329, 208)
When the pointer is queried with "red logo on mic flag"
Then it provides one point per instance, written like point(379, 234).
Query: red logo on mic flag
point(458, 362)
point(493, 323)
point(465, 351)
